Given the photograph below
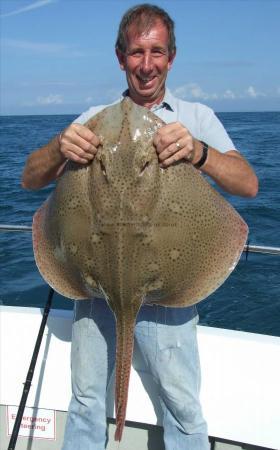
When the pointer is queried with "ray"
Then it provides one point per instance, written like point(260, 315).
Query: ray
point(124, 227)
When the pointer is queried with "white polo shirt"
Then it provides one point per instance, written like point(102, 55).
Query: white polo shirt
point(199, 119)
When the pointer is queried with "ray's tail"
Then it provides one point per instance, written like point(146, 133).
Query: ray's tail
point(124, 352)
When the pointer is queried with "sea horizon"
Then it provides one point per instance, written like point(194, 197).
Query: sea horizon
point(78, 113)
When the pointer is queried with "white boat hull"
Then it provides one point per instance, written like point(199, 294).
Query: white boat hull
point(240, 382)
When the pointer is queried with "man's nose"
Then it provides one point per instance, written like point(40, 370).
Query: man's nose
point(147, 63)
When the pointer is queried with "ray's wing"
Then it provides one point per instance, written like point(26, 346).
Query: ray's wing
point(59, 230)
point(198, 237)
point(62, 233)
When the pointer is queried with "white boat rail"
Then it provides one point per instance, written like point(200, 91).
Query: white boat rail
point(9, 227)
point(248, 248)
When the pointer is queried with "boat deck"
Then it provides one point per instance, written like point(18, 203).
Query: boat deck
point(240, 387)
point(137, 436)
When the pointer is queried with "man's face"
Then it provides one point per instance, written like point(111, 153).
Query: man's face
point(146, 63)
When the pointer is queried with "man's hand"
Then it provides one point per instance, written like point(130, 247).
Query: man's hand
point(174, 142)
point(78, 143)
point(46, 164)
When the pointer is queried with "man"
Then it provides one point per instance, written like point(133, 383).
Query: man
point(166, 337)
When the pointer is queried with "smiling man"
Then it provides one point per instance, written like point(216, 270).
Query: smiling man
point(145, 49)
point(146, 59)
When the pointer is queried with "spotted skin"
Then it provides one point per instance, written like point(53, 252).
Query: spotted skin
point(133, 231)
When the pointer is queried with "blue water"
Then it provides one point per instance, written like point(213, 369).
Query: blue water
point(249, 300)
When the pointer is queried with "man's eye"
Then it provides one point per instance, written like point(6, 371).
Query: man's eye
point(136, 53)
point(158, 51)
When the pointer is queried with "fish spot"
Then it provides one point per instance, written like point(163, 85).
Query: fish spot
point(175, 207)
point(145, 219)
point(174, 254)
point(147, 240)
point(153, 267)
point(74, 202)
point(95, 238)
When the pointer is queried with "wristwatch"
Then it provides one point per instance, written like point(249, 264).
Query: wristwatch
point(203, 156)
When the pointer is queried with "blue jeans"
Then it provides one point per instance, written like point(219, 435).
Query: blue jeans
point(166, 338)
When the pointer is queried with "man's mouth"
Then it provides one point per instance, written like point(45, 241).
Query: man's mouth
point(145, 80)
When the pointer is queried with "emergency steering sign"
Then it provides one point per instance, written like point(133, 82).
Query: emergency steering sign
point(35, 423)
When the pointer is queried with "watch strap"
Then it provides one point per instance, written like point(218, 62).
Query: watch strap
point(204, 155)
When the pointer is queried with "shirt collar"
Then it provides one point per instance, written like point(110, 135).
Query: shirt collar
point(168, 101)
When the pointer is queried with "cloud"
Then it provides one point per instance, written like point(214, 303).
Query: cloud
point(251, 92)
point(109, 95)
point(30, 7)
point(52, 99)
point(229, 94)
point(42, 47)
point(194, 91)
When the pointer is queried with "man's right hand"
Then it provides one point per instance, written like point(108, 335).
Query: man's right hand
point(78, 143)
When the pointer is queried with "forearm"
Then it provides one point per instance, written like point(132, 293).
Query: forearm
point(231, 172)
point(76, 143)
point(43, 165)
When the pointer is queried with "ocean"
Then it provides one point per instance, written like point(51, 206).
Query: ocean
point(249, 300)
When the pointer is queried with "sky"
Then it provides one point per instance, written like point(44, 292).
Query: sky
point(57, 56)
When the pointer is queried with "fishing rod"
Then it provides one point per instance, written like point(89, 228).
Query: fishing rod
point(30, 373)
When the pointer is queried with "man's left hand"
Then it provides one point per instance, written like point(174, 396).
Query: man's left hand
point(174, 142)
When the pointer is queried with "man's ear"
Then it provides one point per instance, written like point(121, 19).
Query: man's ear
point(121, 58)
point(171, 58)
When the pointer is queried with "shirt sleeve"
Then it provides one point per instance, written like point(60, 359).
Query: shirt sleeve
point(213, 132)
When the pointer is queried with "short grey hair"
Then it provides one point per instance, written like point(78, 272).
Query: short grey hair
point(144, 16)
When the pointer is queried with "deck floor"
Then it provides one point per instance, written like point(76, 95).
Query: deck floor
point(136, 437)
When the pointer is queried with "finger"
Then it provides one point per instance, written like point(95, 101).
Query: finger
point(168, 152)
point(83, 144)
point(82, 131)
point(170, 128)
point(79, 134)
point(79, 152)
point(163, 141)
point(91, 138)
point(77, 159)
point(168, 134)
point(178, 156)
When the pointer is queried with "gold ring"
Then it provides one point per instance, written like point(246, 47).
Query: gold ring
point(178, 145)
